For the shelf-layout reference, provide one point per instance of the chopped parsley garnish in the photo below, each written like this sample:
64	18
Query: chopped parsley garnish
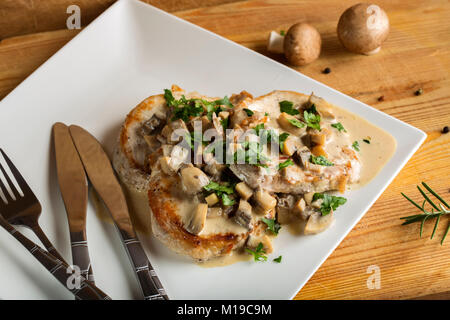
278	260
312	109
194	136
224	123
214	186
329	202
186	108
287	106
338	126
285	164
258	128
248	112
282	138
282	33
258	253
355	145
366	141
296	123
226	200
222	191
312	120
224	102
252	154
272	225
321	160
266	114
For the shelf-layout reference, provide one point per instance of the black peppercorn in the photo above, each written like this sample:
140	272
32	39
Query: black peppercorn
326	70
381	98
418	92
445	129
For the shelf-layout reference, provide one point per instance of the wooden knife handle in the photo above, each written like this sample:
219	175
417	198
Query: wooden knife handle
150	284
59	269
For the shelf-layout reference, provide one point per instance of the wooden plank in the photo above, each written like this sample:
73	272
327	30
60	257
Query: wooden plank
22	17
415	55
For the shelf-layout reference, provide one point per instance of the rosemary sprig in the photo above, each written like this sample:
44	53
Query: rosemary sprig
437	211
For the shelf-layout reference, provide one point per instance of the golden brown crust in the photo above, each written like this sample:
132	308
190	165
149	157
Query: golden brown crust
170	229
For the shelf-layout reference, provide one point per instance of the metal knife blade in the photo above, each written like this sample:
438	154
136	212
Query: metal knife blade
74	190
101	174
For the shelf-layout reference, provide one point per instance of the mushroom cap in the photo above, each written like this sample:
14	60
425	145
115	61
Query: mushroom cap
363	27
302	44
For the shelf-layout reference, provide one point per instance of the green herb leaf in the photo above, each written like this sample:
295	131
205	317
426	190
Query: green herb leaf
282	33
285	164
321	160
338	126
224	123
249	112
272	225
312	120
355	145
287	106
214	186
226	200
258	128
329	202
296	123
258	253
278	260
281	139
224	102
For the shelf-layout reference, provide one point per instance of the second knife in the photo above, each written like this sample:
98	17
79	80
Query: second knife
101	174
74	190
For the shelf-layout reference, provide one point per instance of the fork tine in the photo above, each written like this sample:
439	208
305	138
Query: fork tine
11	184
5	192
20	180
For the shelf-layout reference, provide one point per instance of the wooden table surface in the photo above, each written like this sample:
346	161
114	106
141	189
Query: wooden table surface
416	55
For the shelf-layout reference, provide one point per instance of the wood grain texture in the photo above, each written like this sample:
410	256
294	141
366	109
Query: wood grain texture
416	55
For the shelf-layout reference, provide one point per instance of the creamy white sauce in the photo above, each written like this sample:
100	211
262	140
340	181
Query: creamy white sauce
373	158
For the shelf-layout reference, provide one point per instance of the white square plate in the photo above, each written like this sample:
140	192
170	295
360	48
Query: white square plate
131	51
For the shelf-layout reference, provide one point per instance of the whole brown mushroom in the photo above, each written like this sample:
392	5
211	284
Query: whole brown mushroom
362	28
302	44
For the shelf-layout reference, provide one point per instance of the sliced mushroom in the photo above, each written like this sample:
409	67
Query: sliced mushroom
308	197
179	155
318	223
320	137
169	166
175	131
193	180
305	214
300	206
196	221
152	125
284	120
152	142
254	240
291	145
212	199
244	190
284	208
238	116
244	214
265	201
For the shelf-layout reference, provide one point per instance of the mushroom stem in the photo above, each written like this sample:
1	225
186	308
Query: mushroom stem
275	43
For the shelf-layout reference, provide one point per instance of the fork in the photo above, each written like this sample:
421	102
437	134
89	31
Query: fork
23	210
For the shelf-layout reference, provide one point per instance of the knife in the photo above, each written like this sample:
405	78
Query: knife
101	174
74	190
